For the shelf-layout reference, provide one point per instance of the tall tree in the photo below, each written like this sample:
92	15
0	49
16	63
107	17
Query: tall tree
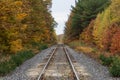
84	12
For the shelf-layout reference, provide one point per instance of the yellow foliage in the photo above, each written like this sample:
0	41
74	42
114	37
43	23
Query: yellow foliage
115	11
18	3
24	27
86	35
13	34
14	31
4	18
37	38
84	49
16	46
103	21
21	16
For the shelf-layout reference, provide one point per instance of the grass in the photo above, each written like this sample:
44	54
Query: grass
9	63
36	47
113	62
115	67
14	61
105	58
86	49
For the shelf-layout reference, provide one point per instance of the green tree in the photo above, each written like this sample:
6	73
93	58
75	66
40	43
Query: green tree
84	12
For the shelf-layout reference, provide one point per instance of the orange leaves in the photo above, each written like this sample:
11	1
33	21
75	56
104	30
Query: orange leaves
115	45
115	42
86	35
111	39
107	37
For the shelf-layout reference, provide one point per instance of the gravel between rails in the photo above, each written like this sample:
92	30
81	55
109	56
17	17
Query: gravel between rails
90	67
30	66
59	68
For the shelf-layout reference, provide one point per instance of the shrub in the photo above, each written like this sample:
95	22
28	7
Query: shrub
111	40
43	46
21	56
115	42
106	60
15	60
39	46
108	36
115	67
6	67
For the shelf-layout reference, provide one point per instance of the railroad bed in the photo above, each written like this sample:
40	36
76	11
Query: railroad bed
59	66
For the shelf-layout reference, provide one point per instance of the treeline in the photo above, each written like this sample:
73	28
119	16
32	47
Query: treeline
93	27
96	22
26	27
25	24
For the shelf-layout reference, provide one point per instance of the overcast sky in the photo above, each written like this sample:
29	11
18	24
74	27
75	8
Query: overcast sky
60	11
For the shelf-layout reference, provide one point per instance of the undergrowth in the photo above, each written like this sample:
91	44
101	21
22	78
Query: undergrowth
15	60
112	62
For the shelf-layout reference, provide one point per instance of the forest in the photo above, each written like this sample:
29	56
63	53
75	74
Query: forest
26	27
93	27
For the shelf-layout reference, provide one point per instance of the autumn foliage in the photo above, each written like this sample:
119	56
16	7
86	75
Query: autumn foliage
115	42
26	27
100	30
86	35
23	22
104	33
106	28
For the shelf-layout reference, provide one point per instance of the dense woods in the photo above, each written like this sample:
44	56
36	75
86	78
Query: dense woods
83	13
23	23
96	23
26	26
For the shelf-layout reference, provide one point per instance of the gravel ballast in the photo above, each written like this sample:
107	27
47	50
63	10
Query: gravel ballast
89	68
95	70
21	72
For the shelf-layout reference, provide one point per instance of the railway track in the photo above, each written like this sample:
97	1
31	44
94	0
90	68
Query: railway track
59	66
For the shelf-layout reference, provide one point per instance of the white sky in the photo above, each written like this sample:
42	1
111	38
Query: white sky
60	11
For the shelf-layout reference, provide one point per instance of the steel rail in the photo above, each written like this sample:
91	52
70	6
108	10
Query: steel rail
43	70
72	66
